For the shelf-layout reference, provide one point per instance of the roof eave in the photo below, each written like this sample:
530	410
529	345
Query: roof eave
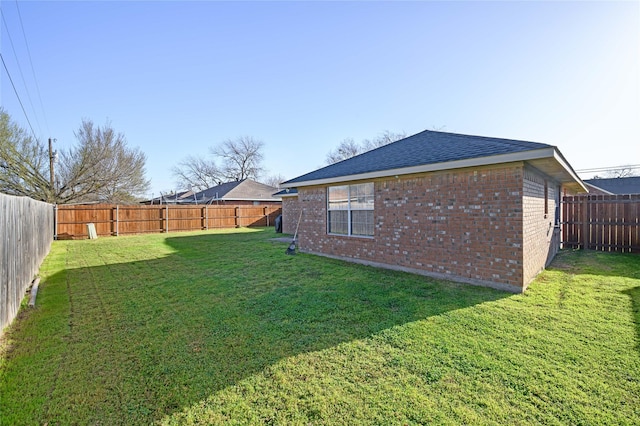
549	152
572	174
596	187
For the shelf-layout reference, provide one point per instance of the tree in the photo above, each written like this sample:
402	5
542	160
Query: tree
100	168
241	158
349	148
197	173
274	180
382	139
23	162
622	172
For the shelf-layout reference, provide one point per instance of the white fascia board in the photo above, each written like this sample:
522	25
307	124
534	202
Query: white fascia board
596	187
560	159
458	164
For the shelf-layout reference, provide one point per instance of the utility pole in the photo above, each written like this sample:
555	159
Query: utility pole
52	158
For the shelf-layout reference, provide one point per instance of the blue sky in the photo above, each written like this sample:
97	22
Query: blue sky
179	77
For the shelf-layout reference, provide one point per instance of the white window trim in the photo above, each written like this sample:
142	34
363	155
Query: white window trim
349	210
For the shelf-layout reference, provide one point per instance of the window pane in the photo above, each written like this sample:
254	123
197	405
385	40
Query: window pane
362	222
338	198
338	222
361	196
350	209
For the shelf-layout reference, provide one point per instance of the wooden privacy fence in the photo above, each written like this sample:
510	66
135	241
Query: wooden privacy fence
71	220
602	222
26	233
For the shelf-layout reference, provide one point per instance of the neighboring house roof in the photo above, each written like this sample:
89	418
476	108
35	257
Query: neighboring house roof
625	185
174	198
242	190
431	151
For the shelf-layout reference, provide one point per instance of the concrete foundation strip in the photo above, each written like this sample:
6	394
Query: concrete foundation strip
34	292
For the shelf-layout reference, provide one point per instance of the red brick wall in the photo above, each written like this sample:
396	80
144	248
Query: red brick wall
466	225
290	214
541	236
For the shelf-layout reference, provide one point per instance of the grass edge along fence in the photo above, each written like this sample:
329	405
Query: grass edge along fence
602	222
26	234
113	220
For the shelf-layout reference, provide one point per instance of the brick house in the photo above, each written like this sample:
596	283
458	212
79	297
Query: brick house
473	209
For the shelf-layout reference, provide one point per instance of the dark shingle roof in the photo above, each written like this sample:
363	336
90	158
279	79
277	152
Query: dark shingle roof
424	148
626	185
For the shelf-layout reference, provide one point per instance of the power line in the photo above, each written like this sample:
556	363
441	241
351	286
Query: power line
606	169
44	115
24	81
18	96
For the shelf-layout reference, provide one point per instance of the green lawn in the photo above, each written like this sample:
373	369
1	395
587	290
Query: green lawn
224	328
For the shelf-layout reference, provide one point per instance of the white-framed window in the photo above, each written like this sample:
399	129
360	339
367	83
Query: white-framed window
350	209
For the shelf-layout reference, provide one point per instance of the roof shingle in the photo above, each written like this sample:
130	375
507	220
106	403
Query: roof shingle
424	148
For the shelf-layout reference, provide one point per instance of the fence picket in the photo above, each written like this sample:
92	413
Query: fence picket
602	222
122	220
26	232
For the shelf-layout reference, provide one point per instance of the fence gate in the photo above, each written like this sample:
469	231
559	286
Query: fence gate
602	222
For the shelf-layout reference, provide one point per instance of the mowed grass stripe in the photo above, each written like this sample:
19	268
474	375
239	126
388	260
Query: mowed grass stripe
222	327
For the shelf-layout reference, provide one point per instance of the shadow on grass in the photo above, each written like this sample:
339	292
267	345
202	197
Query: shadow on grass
150	337
634	294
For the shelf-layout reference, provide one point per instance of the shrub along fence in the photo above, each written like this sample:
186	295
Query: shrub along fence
602	222
26	233
109	219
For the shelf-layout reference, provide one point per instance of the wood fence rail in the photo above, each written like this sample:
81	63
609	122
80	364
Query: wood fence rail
109	219
26	233
602	222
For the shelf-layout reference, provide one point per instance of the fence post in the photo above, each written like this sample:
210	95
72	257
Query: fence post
55	221
116	219
236	212
585	235
166	218
266	213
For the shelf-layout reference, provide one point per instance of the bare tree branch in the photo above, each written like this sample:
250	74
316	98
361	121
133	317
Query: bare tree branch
349	148
241	158
100	168
197	173
622	172
274	180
